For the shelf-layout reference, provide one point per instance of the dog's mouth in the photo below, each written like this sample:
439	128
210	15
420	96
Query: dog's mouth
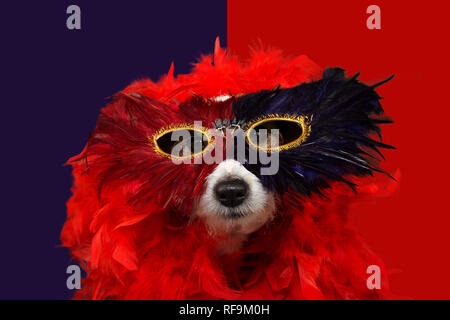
236	215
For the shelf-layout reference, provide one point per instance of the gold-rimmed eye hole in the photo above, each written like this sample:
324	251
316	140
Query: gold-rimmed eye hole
181	142
277	133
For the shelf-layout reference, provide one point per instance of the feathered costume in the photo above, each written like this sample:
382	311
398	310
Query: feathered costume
129	220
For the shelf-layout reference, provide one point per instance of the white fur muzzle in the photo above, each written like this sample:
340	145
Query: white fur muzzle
235	222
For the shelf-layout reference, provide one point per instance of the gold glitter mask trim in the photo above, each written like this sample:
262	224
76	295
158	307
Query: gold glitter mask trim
181	141
293	130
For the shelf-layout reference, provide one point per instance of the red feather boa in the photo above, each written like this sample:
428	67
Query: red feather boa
151	252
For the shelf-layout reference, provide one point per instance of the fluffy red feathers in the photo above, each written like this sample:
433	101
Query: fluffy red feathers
132	234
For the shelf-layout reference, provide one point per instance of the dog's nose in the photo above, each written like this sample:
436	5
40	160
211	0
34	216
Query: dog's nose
231	193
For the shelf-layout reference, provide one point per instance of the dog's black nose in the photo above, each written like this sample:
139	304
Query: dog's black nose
231	193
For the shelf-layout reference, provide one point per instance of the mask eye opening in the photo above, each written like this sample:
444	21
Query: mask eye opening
161	139
293	129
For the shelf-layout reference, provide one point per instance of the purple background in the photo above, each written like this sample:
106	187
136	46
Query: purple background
54	82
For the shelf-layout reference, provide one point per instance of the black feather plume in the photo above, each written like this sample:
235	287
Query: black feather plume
345	113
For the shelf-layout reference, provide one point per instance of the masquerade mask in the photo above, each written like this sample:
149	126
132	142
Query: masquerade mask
270	133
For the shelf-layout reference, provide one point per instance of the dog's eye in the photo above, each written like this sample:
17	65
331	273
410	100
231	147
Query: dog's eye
181	142
277	133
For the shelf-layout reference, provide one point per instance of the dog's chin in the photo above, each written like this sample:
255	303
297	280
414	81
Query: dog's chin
231	226
233	221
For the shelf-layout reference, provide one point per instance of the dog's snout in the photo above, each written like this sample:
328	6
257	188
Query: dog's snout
231	193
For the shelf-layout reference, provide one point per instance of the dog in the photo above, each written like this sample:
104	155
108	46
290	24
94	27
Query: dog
154	218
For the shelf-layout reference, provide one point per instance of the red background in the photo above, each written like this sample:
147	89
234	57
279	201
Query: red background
410	229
